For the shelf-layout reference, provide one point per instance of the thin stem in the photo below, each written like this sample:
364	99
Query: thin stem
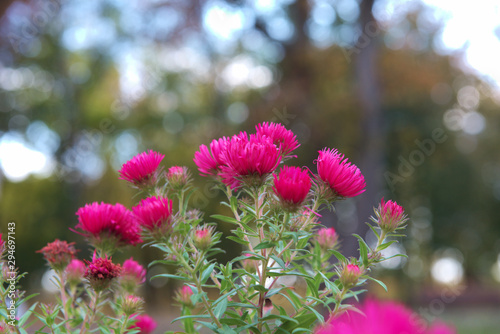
64	300
90	319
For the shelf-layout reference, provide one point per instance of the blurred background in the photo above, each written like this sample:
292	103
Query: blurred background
408	90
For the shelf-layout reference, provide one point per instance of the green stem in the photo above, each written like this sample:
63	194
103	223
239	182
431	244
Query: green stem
188	322
89	320
64	300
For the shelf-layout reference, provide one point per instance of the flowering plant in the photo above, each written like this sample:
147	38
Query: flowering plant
289	268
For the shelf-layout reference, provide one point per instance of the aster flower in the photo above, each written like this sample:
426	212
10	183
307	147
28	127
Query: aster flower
101	272
389	216
344	178
210	161
58	254
132	275
155	215
108	226
378	317
202	237
248	160
327	238
142	170
144	323
281	137
74	272
292	186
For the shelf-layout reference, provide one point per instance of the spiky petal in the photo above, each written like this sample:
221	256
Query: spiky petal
292	186
142	170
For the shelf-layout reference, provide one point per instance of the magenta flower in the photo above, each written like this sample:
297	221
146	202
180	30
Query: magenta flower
142	170
154	214
389	216
210	161
100	272
327	238
58	254
292	186
281	137
249	160
144	323
132	275
344	178
378	317
75	271
108	224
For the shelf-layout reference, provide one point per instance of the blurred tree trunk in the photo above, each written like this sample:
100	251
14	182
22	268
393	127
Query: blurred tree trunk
372	134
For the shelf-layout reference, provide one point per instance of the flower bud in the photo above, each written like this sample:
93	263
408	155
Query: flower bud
183	296
131	304
327	238
74	272
350	274
132	275
389	216
178	177
58	254
203	238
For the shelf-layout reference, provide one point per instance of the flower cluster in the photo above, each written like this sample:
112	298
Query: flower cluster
58	254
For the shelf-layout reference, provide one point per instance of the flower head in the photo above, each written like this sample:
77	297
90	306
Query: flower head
344	178
210	161
327	238
183	296
132	275
389	215
108	226
248	160
75	271
154	214
377	317
131	304
292	186
281	137
178	177
58	254
142	170
144	323
202	237
101	272
350	274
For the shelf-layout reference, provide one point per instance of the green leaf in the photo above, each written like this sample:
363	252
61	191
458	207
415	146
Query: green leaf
225	219
220	308
339	256
206	273
264	244
238	240
170	276
379	282
193	316
363	250
385	245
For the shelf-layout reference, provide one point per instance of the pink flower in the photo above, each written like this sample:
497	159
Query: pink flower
248	160
281	137
292	186
210	161
58	254
75	271
344	178
379	318
389	215
132	275
154	214
327	238
101	271
141	170
106	223
144	323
